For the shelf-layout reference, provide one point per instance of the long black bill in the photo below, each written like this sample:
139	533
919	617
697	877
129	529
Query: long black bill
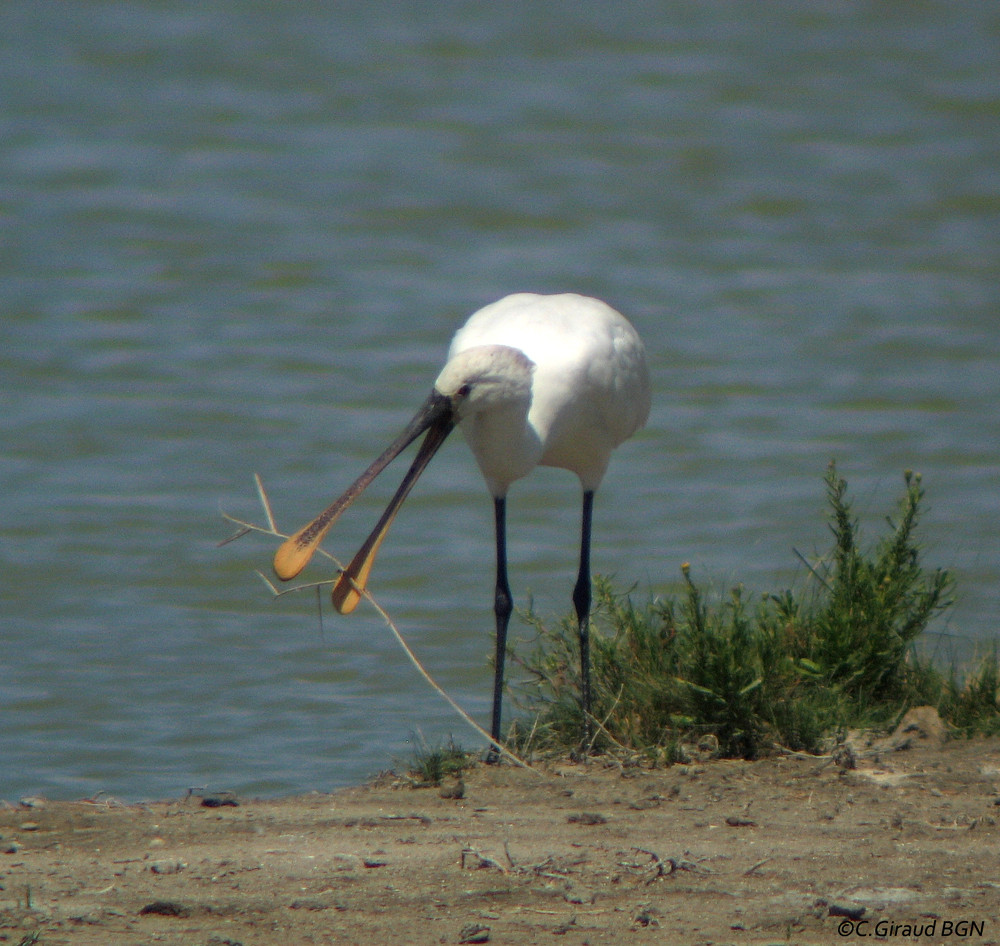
435	416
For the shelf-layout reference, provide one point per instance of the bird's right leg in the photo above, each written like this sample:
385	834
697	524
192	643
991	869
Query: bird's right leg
581	603
503	605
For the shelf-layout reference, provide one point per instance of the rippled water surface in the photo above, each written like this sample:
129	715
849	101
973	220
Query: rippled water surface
237	237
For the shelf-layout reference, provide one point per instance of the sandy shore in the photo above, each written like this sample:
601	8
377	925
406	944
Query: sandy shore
905	844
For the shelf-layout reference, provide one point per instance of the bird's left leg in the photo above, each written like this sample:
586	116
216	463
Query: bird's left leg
503	605
581	603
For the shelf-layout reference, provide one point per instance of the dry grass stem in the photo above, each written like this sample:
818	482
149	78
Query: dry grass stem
272	530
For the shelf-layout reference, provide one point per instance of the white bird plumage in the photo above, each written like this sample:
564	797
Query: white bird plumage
589	388
532	380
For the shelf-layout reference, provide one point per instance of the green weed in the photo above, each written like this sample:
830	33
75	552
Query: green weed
751	672
430	766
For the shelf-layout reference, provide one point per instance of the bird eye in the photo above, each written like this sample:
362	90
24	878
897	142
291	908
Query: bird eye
464	390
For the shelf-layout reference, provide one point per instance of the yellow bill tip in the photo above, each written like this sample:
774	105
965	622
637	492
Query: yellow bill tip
345	595
351	584
291	558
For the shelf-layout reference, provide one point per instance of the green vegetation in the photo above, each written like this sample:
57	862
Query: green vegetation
431	765
747	673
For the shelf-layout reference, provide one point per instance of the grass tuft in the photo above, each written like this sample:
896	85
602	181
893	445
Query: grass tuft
431	765
748	673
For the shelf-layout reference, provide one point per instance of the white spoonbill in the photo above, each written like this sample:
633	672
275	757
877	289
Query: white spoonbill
553	380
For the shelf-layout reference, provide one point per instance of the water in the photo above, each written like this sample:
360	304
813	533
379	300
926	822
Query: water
236	237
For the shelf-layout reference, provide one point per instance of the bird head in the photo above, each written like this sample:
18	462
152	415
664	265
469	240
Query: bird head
484	378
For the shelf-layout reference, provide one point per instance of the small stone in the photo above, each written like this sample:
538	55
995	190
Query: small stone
457	790
474	933
647	918
219	801
164	908
922	724
587	817
167	867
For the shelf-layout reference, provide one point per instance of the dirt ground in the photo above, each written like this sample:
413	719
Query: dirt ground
897	841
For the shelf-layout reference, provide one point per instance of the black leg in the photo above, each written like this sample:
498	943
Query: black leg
581	602
503	605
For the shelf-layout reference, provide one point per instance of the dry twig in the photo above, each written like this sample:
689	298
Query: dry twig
272	530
